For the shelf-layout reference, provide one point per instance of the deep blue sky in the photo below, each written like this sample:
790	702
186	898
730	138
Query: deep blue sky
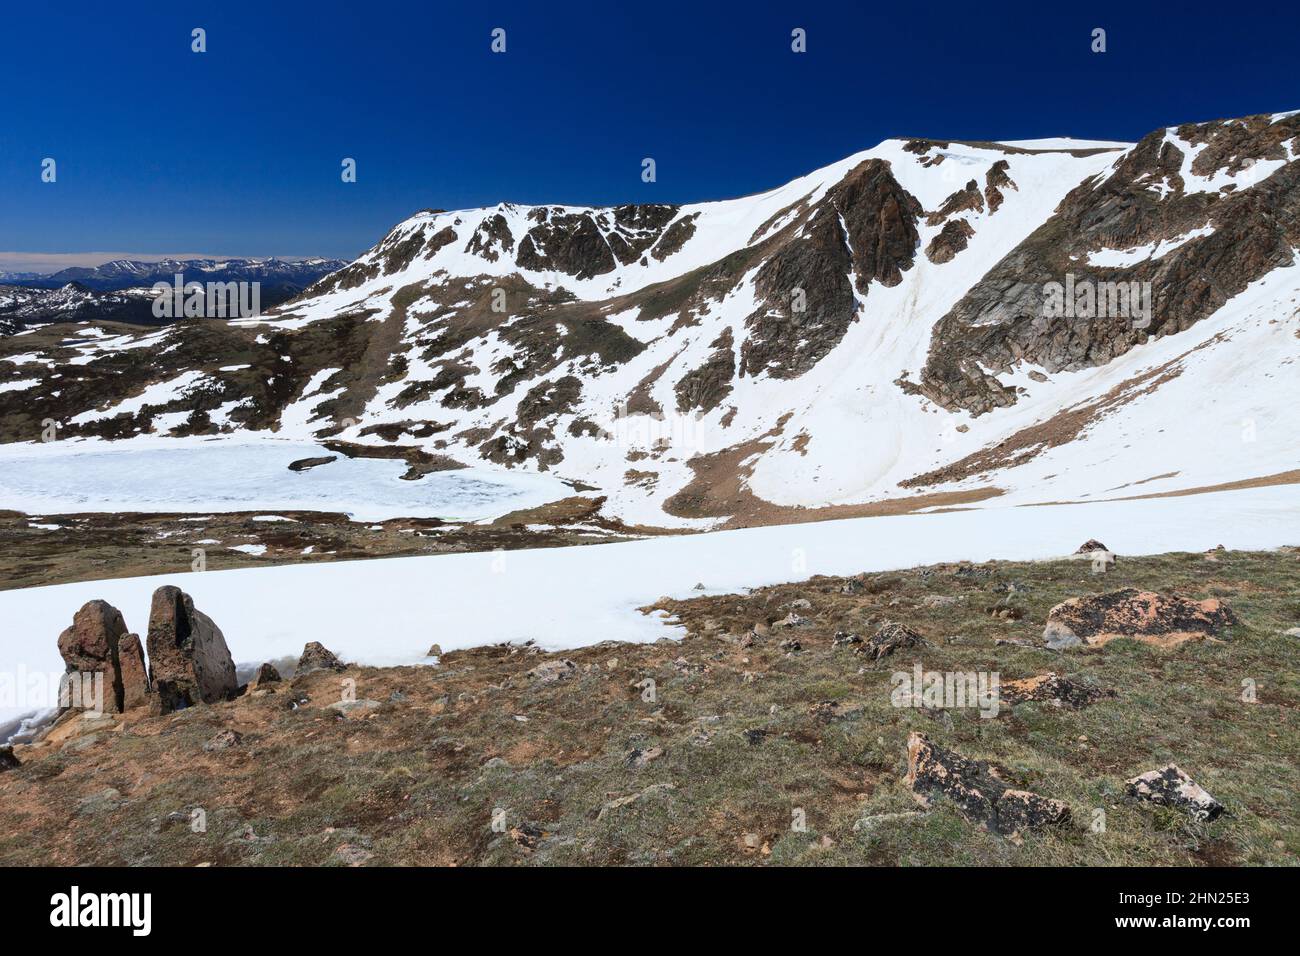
237	150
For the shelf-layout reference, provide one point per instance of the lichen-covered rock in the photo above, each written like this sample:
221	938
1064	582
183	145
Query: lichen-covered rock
189	662
1051	689
977	790
1163	621
891	638
1170	787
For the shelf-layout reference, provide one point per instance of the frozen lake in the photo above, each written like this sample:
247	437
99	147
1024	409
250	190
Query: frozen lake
203	476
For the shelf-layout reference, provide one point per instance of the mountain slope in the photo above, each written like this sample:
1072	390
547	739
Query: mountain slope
873	335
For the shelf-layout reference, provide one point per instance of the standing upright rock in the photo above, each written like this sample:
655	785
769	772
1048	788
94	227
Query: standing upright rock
188	658
133	672
105	665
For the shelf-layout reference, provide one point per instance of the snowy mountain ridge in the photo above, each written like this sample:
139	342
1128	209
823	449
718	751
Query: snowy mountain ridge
868	338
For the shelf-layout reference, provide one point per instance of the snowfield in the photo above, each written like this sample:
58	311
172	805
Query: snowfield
388	612
205	475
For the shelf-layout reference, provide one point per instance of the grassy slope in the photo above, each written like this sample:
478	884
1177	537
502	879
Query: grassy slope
417	782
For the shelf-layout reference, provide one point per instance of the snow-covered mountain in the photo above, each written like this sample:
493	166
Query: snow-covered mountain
923	324
294	275
21	306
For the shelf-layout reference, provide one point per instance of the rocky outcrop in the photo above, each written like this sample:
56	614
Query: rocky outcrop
317	657
949	241
979	793
1171	787
1092	544
865	227
189	661
1221	240
1156	619
101	653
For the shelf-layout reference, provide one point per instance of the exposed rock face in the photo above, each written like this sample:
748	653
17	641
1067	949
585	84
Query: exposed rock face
1146	199
952	239
98	643
977	790
1051	689
1171	787
317	657
892	637
188	658
865	226
1142	615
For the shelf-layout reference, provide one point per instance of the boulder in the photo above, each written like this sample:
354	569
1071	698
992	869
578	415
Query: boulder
1163	621
317	657
1170	787
892	637
266	674
979	793
98	648
1092	544
189	662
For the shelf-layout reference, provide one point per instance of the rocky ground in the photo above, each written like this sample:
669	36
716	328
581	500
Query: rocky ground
36	550
1153	723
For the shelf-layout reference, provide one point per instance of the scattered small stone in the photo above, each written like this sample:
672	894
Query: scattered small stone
638	759
352	855
792	620
1171	787
866	824
844	639
224	740
620	802
939	600
349	707
548	672
527	836
790	645
892	637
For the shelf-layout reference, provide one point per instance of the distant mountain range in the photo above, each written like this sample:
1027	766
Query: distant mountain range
128	273
121	290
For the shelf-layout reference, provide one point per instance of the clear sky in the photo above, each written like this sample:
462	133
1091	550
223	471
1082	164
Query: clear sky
237	151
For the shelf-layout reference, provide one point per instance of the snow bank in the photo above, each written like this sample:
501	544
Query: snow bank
389	611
